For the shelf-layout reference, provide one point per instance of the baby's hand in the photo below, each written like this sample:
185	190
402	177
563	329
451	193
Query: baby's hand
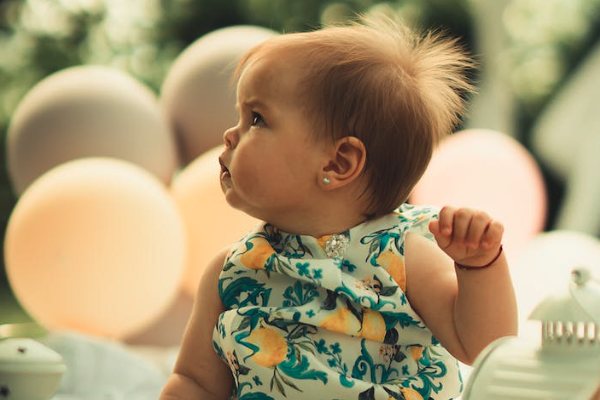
470	237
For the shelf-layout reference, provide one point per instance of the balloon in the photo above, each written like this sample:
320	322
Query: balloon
168	329
490	171
95	245
543	268
88	111
197	96
211	224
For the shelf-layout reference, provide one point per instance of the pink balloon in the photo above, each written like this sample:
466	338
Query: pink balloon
97	246
210	223
490	171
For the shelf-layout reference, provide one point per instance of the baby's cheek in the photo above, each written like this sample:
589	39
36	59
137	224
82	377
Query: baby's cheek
249	182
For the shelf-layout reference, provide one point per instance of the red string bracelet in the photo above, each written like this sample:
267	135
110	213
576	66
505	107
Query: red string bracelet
465	267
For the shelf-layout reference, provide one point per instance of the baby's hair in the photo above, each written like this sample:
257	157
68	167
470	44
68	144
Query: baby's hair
397	90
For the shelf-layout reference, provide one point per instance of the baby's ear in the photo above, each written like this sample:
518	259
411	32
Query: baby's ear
347	161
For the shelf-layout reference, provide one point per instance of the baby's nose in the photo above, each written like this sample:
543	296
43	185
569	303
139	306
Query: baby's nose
230	137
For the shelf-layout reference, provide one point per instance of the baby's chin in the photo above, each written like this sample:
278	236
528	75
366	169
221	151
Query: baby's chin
234	201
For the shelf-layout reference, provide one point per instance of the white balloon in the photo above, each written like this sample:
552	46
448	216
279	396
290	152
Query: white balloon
198	97
88	111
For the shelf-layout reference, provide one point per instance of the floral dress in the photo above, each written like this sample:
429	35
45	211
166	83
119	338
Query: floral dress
328	319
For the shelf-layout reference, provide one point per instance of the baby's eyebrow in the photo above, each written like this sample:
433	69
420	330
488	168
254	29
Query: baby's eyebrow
253	103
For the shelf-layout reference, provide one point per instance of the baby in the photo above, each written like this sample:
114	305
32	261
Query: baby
344	292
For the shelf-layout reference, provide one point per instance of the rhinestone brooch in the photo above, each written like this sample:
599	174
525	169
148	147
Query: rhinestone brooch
336	245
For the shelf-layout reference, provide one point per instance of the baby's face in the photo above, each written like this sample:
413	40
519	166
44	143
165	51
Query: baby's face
271	163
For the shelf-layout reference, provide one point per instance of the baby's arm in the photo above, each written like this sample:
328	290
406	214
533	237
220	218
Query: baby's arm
465	309
200	374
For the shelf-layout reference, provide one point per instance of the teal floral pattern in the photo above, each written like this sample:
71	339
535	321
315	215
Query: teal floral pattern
302	325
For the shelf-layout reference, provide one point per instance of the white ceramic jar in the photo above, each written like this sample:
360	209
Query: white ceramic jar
28	370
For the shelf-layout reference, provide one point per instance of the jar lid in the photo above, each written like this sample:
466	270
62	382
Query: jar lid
24	351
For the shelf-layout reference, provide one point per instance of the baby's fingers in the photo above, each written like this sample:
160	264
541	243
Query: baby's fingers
446	220
492	237
442	228
477	228
442	240
462	225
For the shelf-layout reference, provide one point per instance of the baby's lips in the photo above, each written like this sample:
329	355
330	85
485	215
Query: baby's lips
223	167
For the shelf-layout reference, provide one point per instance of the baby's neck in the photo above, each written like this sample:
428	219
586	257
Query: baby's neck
319	226
328	213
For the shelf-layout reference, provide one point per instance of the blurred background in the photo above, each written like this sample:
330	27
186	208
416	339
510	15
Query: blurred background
537	61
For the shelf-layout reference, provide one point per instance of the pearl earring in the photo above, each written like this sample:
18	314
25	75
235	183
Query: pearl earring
326	181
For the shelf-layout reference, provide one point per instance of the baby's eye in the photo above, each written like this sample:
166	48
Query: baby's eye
257	119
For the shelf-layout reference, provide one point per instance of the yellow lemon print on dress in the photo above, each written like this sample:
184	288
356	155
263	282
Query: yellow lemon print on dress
373	326
411	394
272	347
394	265
257	256
343	321
416	352
322	241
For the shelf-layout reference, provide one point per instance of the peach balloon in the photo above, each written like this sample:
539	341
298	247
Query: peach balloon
491	171
88	111
168	329
210	223
95	245
197	96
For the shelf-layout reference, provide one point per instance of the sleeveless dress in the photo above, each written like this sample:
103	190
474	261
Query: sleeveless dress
328	319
